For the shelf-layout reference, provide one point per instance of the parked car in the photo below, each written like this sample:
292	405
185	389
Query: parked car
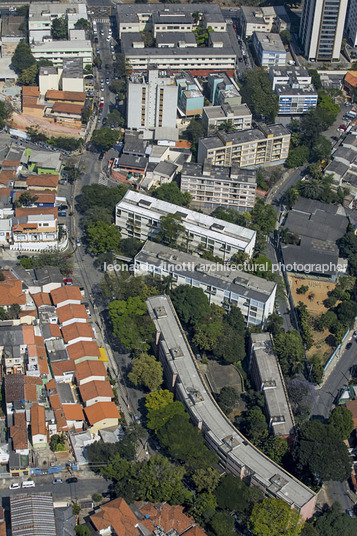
68	281
15	485
342	128
72	480
101	156
28	484
78	241
57	481
348	346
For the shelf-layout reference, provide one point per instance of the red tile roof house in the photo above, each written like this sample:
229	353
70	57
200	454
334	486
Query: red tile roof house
68	314
84	351
96	391
88	371
74	416
116	517
66	295
102	415
77	332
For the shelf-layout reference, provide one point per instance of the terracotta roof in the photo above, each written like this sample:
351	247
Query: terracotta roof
61	420
10	163
18	432
76	96
89	368
51	181
51	386
55	331
65	293
55	402
38	420
41	298
5	192
95	389
351	78
31	91
28	333
67	108
184	144
75	330
167	516
71	311
118	515
44	196
11	292
28	312
83	349
100	411
14	387
6	176
42	356
31	102
30	388
60	367
35	211
73	412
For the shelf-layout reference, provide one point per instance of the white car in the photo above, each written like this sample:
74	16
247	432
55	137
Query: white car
15	485
108	38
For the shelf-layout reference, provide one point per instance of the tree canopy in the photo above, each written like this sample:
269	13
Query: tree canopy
59	28
22	58
274	517
191	304
171	193
256	91
342	421
335	522
131	323
146	371
102	238
104	138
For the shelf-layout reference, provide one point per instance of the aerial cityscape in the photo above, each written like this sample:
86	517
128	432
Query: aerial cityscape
178	268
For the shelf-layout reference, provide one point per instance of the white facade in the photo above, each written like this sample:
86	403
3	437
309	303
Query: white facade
321	28
57	51
152	101
269	49
240	117
139	215
42	14
36	233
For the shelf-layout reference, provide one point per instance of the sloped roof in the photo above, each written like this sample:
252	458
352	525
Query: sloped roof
89	368
95	389
71	311
65	293
11	292
38	420
83	349
73	412
118	515
75	330
100	411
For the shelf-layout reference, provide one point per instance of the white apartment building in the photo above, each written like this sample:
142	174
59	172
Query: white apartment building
239	117
152	101
269	49
139	215
253	295
219	186
57	51
294	89
263	19
267	146
34	232
42	14
321	29
351	23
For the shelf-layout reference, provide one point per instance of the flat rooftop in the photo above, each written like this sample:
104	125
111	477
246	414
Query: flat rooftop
192	220
218	430
241	283
222	112
270	42
208	172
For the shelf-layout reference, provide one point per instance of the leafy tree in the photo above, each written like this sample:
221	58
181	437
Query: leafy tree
290	351
157	418
131	323
285	37
194	132
102	237
171	193
82	24
315	78
104	138
22	58
26	198
222	524
104	197
59	28
28	76
309	530
207	333
76	509
263	216
115	118
232	494
322	149
97	497
276	448
5	112
130	246
203	507
274	517
301	396
274	324
191	304
255	426
158	399
230	345
235	319
341	420
67	144
82	530
298	156
146	371
171	229
256	91
335	522
206	479
227	399
185	443
320	454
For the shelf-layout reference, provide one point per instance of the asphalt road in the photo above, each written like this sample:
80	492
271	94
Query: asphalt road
79	490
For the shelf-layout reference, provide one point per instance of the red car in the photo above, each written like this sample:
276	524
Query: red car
68	281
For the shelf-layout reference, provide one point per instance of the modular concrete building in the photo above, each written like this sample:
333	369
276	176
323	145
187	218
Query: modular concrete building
139	216
236	454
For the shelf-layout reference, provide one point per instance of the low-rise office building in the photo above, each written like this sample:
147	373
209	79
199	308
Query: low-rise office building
219	186
190	100
236	454
237	117
223	90
269	49
224	286
269	381
266	146
294	88
139	216
57	51
263	19
42	14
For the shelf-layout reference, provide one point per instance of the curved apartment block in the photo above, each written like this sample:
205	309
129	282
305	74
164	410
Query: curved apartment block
236	454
